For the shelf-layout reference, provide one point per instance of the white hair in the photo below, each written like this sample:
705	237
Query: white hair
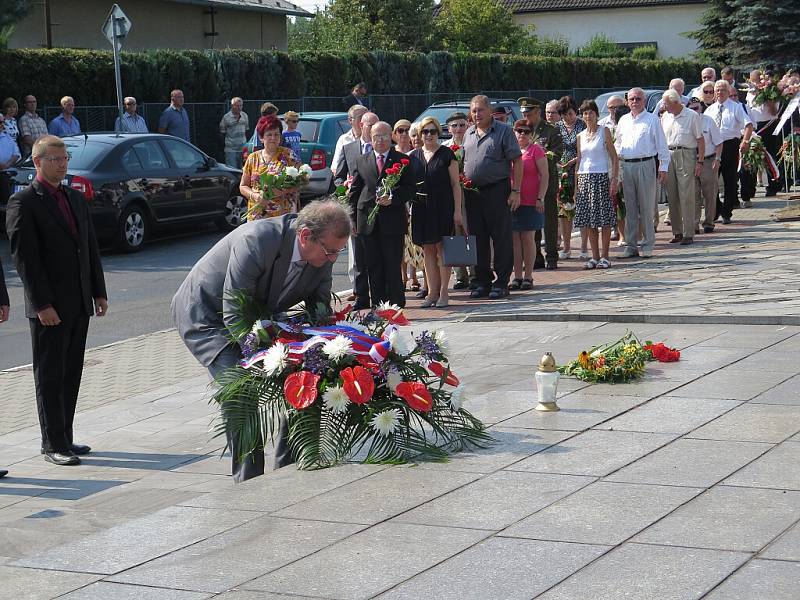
671	96
722	83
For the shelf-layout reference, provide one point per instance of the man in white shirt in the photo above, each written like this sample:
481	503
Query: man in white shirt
679	86
707	74
612	104
354	115
707	184
639	140
732	120
684	133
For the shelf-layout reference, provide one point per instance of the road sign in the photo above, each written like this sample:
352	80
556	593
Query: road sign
116	27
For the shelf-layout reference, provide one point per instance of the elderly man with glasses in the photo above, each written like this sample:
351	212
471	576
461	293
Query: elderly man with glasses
639	141
131	121
31	126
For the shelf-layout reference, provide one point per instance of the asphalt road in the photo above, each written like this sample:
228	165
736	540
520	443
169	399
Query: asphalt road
140	287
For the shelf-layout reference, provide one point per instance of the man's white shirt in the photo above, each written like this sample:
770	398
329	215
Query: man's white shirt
642	137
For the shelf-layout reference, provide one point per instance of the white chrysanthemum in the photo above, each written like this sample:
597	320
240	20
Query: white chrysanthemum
335	399
386	422
292	172
400	343
337	348
276	359
305	169
457	397
393	379
388	306
440	337
352	324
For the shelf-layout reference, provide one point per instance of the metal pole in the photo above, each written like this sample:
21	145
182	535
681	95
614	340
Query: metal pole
117	75
48	25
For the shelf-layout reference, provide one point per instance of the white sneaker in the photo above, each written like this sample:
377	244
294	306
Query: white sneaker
621	243
564	254
583	255
647	253
603	263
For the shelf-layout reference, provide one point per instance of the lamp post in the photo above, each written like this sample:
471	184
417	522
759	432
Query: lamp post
547	377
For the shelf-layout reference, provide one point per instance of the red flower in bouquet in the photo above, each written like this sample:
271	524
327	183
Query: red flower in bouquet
390	180
358	384
368	364
663	353
416	394
404	161
439	369
300	389
395	317
466	183
341	315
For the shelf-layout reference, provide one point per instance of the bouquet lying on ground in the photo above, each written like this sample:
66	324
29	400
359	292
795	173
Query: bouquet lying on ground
391	178
348	382
288	178
618	362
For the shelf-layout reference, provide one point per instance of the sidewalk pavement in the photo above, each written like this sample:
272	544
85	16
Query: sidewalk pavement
683	485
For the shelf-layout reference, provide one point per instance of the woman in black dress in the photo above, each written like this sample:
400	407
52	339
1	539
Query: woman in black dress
437	209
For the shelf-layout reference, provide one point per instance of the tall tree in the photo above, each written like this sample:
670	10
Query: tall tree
11	13
766	32
713	36
481	26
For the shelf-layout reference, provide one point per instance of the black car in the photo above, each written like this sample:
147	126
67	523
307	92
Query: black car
136	183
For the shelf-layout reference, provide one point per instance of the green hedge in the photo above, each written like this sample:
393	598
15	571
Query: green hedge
212	76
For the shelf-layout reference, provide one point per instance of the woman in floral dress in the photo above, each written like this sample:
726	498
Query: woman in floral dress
274	159
569	126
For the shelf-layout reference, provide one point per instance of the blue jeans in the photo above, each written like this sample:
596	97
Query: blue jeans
233	159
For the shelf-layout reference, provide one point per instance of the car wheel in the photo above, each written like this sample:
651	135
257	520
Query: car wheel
133	229
235	213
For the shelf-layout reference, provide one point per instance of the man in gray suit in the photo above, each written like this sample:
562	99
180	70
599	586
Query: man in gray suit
280	262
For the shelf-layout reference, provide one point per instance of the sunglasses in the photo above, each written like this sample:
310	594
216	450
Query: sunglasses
401	130
456	124
429	132
708	91
523	131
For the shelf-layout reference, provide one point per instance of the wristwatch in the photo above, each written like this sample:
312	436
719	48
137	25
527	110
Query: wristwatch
514	191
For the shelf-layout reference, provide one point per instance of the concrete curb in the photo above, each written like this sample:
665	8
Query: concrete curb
789	320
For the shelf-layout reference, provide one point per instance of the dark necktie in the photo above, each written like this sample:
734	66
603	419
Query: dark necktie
292	277
718	119
367	148
63	206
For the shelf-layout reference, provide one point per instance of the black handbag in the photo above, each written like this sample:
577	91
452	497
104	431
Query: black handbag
459	250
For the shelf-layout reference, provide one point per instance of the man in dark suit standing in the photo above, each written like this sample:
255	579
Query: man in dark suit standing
383	239
357	96
57	257
4	311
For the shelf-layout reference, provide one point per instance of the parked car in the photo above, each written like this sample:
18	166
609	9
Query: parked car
442	110
319	132
136	183
651	96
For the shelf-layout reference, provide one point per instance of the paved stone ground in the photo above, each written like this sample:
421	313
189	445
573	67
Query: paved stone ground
683	485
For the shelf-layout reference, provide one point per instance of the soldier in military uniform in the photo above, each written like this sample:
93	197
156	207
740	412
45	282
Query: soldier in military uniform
549	138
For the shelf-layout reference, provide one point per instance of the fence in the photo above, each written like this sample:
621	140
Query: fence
204	117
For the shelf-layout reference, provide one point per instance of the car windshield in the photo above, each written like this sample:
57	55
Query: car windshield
308	130
83	155
441	113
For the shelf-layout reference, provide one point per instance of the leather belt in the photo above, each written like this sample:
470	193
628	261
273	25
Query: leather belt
635	160
681	148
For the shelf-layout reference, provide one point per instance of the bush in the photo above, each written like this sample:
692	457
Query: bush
601	46
644	53
215	76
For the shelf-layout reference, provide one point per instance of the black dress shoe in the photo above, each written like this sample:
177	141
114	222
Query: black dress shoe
708	229
498	293
687	241
676	239
551	266
479	292
3	473
461	285
80	449
62	459
726	220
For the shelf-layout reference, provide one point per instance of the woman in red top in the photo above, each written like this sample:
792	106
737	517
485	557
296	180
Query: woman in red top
530	215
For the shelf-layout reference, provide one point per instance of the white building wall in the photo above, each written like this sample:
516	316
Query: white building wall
663	25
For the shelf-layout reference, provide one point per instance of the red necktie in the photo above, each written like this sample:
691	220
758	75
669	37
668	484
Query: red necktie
380	163
63	205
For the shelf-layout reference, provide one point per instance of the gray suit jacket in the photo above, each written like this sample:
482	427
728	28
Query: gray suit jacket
255	258
351	151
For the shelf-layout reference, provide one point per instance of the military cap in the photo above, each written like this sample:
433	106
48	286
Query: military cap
456	116
526	103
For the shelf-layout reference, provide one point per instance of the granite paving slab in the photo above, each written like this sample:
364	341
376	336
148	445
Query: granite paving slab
18	583
602	513
246	595
593	452
509	447
233	557
771	360
103	590
744	519
133	543
670	414
731	383
283	488
378	497
578	412
753	422
498	569
642	572
691	462
369	562
779	468
512	496
787	392
786	547
761	579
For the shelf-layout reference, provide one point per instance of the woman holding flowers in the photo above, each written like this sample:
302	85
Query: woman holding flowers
263	200
437	209
596	182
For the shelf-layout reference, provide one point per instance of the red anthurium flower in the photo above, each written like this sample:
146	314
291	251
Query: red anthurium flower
416	394
368	363
395	317
439	369
341	315
358	384
300	389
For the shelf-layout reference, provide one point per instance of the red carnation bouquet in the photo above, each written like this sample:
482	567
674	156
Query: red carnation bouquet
662	353
391	178
347	382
